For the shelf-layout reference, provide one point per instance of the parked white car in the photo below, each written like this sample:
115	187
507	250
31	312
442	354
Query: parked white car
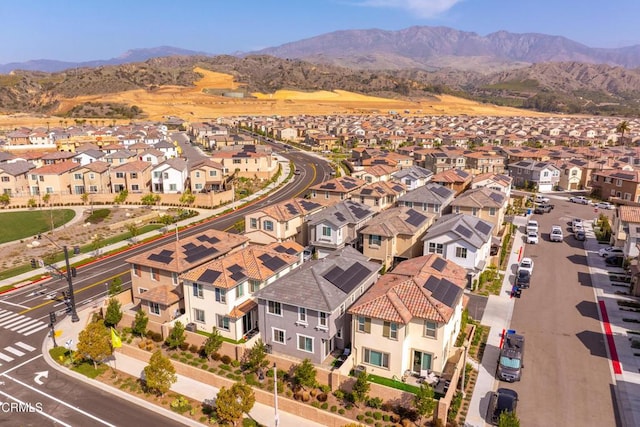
541	199
576	222
605	205
556	234
532	237
579	199
526	264
532	226
610	251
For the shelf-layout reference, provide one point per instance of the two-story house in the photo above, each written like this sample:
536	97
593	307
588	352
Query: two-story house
625	229
616	184
379	195
543	174
413	177
247	162
207	175
463	239
337	226
304	315
375	173
14	178
135	177
395	235
53	178
408	321
456	179
170	176
281	222
431	198
484	203
96	177
494	181
336	189
155	274
221	293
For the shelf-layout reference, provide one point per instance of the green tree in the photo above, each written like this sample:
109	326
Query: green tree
94	343
508	419
133	229
46	198
97	243
159	374
360	389
85	197
256	357
304	374
113	314
176	336
121	197
31	202
622	127
5	199
423	401
116	286
150	199
232	403
167	220
187	197
213	343
140	323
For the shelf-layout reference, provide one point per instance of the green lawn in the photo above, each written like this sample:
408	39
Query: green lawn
22	224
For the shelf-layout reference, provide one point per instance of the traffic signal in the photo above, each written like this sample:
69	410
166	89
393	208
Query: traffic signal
33	263
52	318
73	272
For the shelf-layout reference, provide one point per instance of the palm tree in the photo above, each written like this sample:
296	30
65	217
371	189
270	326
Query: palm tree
622	127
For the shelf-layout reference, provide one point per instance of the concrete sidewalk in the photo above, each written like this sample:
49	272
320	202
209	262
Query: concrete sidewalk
24	279
186	386
497	316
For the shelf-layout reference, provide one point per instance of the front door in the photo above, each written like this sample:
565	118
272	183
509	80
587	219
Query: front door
326	347
247	323
421	361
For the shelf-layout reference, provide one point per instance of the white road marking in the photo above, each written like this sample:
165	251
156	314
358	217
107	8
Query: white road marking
36	330
10	319
51	417
13	304
25	346
6	313
14	351
21	364
19	324
62	402
5	357
28	327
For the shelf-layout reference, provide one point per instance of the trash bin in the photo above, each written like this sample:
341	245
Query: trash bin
528	211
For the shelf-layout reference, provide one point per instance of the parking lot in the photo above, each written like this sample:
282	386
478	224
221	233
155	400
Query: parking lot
567	374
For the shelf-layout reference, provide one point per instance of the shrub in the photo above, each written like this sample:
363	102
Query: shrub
385	417
215	356
193	348
360	417
369	420
235	363
149	334
339	394
225	359
334	408
322	397
341	411
325	405
156	337
377	415
184	346
374	402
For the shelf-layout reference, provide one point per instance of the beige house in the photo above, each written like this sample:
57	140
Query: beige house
53	178
408	321
336	190
220	293
281	222
395	235
375	173
14	178
380	195
135	177
485	203
494	181
570	175
155	273
207	175
247	162
97	178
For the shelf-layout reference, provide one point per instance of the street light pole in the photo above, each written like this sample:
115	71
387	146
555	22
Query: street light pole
72	298
275	394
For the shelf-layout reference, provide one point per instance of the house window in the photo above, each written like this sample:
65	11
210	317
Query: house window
326	194
119	174
237	161
302	315
154	308
364	324
474	211
197	290
461	252
253	222
436	208
135	187
222	322
173	187
254	285
305	343
136	270
376	358
278	335
93	189
436	248
339	333
134	175
155	274
221	295
142	290
390	330
174	278
213	173
77	176
323	320
374	240
275	308
165	175
156	174
197	174
5	179
456	209
313	193
376	201
618	183
326	231
267	225
430	329
492	211
198	315
198	186
240	290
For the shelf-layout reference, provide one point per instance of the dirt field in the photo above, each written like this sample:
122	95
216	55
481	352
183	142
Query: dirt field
194	104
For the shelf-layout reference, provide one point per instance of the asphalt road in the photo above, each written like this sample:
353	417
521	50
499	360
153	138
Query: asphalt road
24	316
567	375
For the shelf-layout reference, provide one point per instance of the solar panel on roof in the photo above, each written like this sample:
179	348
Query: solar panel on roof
439	264
160	258
348	280
415	218
462	173
483	227
280	249
234	268
349	185
333	274
291	209
328	186
443	290
360	213
308	205
441	191
188	246
497	197
274	263
198	252
209	276
366	191
211	239
339	216
464	230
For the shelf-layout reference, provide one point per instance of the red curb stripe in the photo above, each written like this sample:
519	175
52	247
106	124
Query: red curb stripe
502	337
617	368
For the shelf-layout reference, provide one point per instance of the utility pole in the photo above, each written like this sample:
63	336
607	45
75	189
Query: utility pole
275	394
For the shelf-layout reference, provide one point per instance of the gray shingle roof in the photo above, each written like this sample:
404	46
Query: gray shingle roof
431	193
17	168
415	172
307	287
471	229
345	212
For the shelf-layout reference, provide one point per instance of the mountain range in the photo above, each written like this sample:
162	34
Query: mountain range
537	71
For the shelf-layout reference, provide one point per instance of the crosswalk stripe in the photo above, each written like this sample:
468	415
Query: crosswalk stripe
14	351
7	315
5	357
19	323
29	327
44	325
25	346
10	319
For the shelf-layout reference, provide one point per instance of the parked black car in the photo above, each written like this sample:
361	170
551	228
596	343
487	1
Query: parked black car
503	400
579	235
614	260
523	279
543	208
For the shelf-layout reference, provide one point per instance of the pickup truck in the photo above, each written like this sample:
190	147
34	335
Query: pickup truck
510	363
543	208
541	199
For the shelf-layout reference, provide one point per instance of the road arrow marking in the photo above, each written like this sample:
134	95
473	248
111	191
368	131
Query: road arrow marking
39	375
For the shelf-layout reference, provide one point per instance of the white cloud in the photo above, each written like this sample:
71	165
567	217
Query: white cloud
422	8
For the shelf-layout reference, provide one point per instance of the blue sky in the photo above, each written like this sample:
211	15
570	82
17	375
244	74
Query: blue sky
82	30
